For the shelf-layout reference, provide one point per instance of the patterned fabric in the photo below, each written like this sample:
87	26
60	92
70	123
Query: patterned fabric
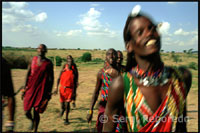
139	115
121	123
106	80
105	85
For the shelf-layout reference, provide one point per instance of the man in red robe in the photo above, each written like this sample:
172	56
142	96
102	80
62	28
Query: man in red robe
67	83
38	86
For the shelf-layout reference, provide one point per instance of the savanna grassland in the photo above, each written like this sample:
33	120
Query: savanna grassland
50	120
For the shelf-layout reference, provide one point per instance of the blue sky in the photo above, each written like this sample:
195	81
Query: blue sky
94	25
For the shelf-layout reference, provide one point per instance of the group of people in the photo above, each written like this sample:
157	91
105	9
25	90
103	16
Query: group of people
149	96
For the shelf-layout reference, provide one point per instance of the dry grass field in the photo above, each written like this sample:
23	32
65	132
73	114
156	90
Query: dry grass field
50	120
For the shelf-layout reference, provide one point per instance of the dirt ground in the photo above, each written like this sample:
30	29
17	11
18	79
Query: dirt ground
50	120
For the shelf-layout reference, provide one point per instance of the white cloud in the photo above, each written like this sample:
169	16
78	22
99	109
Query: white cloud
164	29
24	28
194	32
7	19
193	41
92	25
18	5
181	32
73	32
94	4
69	33
90	20
16	13
41	17
171	2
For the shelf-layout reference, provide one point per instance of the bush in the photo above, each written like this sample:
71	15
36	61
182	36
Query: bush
78	59
97	60
64	59
58	61
86	57
17	61
176	58
193	65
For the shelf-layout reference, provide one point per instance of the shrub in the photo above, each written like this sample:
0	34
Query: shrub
193	65
97	60
176	58
58	61
78	59
17	61
64	59
86	57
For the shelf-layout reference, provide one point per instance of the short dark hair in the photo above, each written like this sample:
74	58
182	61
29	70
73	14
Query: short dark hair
44	46
131	62
115	52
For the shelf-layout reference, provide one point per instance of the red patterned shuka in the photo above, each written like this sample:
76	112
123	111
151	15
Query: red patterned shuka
139	116
106	80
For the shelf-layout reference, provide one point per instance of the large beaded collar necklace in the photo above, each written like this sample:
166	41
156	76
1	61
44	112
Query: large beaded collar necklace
158	78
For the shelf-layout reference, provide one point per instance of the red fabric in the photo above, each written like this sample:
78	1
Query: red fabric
66	94
66	85
99	125
163	126
38	88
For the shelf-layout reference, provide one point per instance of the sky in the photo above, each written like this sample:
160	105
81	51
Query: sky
95	25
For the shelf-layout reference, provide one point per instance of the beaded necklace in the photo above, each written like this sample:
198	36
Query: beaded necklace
159	77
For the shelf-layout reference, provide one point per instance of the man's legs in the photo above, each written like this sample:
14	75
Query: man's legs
67	112
74	98
29	116
62	109
36	119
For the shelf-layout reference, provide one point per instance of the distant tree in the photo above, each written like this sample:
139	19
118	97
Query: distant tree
161	50
190	51
173	52
86	57
78	48
58	61
184	51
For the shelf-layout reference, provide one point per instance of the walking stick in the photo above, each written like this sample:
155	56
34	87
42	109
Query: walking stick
20	88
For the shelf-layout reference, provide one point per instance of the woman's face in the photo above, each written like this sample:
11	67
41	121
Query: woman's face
145	38
69	61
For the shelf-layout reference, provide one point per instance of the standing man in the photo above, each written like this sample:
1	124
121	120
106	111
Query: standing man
38	86
120	58
104	78
67	83
7	92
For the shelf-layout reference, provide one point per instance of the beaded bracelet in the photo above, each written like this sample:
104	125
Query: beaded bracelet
90	111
